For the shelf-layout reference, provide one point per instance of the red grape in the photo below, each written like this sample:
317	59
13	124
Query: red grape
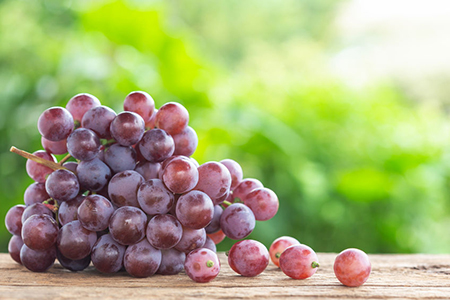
202	265
248	258
352	267
299	261
278	246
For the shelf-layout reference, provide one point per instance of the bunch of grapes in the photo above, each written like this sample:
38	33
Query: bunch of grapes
128	194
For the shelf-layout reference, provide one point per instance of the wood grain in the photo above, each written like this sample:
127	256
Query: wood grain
393	276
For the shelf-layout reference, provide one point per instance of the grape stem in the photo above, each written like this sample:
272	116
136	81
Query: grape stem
227	203
50	164
64	159
314	264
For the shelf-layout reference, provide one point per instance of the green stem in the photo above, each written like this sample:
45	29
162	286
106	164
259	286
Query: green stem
314	264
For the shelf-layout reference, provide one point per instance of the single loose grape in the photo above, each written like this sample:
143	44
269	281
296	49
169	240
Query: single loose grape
202	265
352	267
248	258
278	246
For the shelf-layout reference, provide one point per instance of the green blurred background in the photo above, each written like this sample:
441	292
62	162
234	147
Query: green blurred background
340	109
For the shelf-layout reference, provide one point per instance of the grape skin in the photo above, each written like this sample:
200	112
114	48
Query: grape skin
148	170
214	226
13	219
127	225
164	231
120	158
68	210
214	179
127	128
36	209
248	258
73	265
123	188
172	117
98	119
278	246
352	267
235	171
156	145
55	123
141	103
209	244
299	261
94	212
35	193
74	241
191	239
14	246
154	198
62	185
79	104
237	221
195	210
263	202
107	254
185	142
59	147
180	175
142	260
172	262
217	237
202	265
245	187
37	260
83	144
37	171
93	175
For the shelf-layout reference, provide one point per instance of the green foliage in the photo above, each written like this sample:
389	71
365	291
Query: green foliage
352	168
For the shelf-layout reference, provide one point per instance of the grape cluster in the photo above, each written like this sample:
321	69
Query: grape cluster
129	195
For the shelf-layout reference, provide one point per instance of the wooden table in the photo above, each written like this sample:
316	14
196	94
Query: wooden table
393	276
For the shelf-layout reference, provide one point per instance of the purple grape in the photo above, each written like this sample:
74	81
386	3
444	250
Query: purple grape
214	179
191	239
83	144
185	142
35	193
98	119
209	244
123	188
127	128
164	231
235	171
14	246
154	198
142	260
37	171
140	103
39	232
180	175
352	267
237	221
59	147
263	202
79	104
107	254
62	185
73	265
172	117
214	226
37	260
150	124
156	145
13	219
245	187
74	241
172	262
94	213
127	225
55	124
248	258
36	209
195	210
148	170
71	166
120	158
68	210
93	175
202	265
